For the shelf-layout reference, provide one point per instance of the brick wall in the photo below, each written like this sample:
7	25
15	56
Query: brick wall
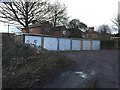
36	30
33	30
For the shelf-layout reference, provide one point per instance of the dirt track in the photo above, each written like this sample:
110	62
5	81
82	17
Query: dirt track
104	63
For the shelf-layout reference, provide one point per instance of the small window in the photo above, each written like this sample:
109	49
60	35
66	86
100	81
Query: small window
64	32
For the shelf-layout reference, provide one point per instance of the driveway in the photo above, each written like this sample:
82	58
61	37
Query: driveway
103	62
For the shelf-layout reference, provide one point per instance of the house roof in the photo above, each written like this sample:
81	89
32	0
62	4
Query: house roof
75	29
40	24
35	25
58	28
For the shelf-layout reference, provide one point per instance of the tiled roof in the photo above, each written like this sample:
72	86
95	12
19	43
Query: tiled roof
35	25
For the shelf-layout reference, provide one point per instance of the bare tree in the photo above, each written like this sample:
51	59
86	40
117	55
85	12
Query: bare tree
23	12
58	14
104	29
116	22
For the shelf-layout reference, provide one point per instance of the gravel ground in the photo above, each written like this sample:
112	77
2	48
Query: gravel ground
103	62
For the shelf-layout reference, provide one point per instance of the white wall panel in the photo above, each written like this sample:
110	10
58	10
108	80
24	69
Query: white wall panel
76	44
50	43
64	44
86	45
95	45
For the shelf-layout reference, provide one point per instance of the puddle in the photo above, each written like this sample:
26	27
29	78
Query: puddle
81	74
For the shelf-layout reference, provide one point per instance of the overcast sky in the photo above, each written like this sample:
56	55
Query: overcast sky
91	12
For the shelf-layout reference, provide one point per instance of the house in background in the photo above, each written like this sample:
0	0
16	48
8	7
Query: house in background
59	31
38	28
46	28
92	34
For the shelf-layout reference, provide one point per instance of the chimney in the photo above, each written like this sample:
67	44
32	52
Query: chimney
91	28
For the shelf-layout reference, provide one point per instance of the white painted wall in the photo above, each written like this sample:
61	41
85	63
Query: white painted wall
64	44
76	44
50	43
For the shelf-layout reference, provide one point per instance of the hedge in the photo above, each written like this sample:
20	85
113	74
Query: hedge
107	44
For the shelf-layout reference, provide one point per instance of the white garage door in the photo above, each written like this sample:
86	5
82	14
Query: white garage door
64	44
86	45
95	45
33	40
50	43
76	44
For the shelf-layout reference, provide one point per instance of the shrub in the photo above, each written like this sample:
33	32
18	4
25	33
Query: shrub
24	68
17	51
107	44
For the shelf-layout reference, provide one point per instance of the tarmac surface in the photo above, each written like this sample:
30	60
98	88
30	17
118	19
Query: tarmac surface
104	63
